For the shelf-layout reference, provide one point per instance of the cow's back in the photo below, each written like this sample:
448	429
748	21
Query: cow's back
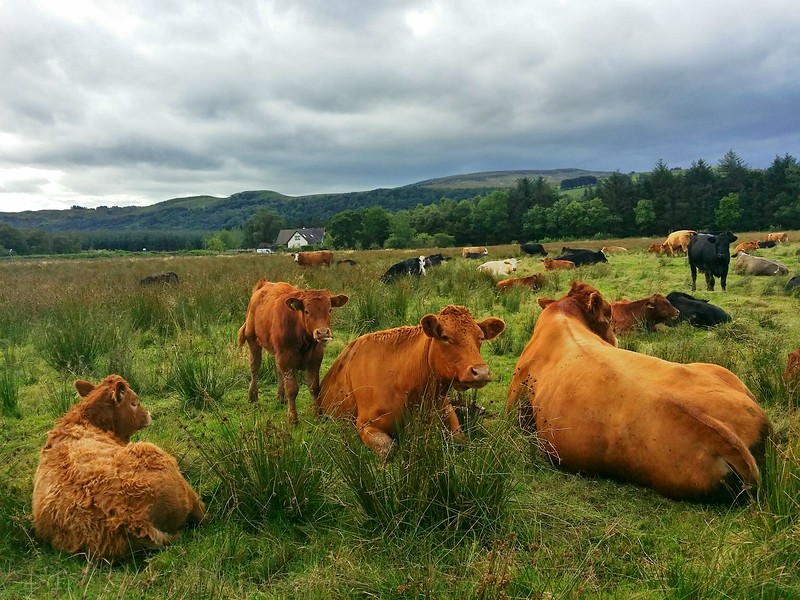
268	319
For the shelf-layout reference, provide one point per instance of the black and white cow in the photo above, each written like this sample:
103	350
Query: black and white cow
410	266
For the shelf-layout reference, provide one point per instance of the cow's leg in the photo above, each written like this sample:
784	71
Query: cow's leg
723	280
290	389
709	282
255	366
376	440
450	418
693	269
312	381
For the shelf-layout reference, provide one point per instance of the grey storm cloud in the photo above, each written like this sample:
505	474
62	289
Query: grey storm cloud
138	102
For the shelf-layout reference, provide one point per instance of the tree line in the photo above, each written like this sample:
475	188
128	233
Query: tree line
729	195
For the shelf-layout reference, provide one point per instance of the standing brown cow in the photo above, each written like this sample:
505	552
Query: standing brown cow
293	325
379	375
317	258
96	493
678	241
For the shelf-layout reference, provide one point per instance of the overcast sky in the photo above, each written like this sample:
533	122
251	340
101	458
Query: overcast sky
120	102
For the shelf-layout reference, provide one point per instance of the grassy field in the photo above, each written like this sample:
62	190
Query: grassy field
307	512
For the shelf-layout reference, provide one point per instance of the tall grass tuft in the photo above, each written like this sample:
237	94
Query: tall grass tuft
197	377
58	399
264	472
9	392
75	340
779	493
431	483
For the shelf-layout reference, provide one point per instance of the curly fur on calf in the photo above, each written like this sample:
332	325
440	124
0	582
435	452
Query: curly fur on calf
96	493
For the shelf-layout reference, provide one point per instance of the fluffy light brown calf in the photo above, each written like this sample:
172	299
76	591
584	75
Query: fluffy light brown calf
96	493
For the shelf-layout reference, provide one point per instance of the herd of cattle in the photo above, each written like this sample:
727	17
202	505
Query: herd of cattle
688	431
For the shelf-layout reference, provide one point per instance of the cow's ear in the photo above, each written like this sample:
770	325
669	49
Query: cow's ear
430	326
545	302
492	327
340	300
119	391
596	303
294	303
84	388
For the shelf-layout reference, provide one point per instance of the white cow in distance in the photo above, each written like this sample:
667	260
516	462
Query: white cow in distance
499	268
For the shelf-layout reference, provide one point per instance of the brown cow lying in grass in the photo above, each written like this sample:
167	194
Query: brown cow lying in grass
534	282
647	313
379	375
96	493
293	325
688	431
552	264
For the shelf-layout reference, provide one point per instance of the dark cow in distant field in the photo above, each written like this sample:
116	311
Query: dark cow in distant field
766	244
647	312
317	258
551	264
751	245
581	256
293	325
95	492
409	266
473	255
780	237
531	248
481	250
709	253
534	282
755	265
696	311
434	260
347	261
793	283
169	278
380	375
688	431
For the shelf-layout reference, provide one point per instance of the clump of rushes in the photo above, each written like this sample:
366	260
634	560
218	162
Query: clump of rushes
264	472
431	482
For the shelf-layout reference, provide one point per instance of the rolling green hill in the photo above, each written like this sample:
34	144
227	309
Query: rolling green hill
212	214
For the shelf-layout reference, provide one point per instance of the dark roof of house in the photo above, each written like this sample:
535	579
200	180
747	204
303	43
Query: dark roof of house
313	235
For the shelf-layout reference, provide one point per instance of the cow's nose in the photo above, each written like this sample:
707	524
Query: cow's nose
323	335
480	373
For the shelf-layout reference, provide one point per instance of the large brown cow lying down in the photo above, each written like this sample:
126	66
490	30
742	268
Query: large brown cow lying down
379	375
96	493
293	325
690	431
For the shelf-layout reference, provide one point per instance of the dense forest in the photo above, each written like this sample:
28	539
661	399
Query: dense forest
729	195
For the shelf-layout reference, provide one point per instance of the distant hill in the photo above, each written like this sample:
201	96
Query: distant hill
210	213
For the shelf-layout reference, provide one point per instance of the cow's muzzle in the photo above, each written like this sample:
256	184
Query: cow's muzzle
322	335
474	377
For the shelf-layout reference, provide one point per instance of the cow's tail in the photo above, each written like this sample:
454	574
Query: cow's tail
241	337
734	451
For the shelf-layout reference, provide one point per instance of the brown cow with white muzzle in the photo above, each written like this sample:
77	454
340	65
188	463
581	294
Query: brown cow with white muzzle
688	431
379	375
293	325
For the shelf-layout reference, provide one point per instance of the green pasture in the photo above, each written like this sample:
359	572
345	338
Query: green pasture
307	512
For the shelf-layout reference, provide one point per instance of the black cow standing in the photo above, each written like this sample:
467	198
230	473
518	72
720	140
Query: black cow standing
582	256
696	311
531	248
710	254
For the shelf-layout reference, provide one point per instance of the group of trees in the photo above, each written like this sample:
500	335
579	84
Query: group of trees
728	196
